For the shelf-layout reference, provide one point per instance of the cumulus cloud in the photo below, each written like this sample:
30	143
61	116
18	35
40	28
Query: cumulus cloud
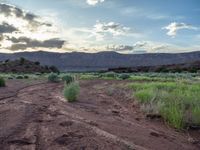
101	29
119	48
150	46
174	27
159	47
94	2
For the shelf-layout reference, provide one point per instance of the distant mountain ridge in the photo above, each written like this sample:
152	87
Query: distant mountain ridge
78	61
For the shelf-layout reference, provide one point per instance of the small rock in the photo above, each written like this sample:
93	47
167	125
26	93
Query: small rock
115	112
153	116
193	127
154	133
93	123
66	123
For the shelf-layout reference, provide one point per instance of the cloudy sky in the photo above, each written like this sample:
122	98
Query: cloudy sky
124	26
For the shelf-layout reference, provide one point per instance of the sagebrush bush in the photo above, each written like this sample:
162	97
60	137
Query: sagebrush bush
110	74
53	77
68	79
19	77
124	76
26	77
71	91
2	82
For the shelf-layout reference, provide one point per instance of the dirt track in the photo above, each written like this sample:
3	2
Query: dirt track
38	118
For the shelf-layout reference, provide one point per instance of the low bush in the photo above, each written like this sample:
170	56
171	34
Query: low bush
19	77
110	75
2	82
124	76
53	77
26	77
71	91
68	79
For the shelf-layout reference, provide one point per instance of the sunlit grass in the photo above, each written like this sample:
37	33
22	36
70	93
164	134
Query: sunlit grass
178	102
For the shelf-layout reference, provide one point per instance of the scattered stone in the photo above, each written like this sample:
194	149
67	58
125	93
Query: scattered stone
153	116
194	127
93	123
116	112
68	138
154	133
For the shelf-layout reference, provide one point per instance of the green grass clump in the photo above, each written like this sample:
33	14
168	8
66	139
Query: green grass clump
177	102
2	82
53	77
145	95
68	79
71	91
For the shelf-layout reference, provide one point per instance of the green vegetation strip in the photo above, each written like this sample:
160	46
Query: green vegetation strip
177	102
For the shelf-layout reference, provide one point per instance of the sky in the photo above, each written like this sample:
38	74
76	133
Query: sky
124	26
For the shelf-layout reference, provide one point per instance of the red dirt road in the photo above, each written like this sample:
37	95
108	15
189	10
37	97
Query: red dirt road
36	117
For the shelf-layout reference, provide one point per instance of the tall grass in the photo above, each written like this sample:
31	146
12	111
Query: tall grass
177	102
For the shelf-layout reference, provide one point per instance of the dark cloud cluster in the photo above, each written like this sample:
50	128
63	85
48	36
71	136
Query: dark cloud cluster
7	28
9	10
23	43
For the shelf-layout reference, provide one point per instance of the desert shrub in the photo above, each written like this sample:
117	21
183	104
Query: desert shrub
26	77
124	76
110	74
68	79
19	77
53	77
38	74
2	82
71	91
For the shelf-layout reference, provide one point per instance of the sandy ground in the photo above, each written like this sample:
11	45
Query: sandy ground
105	117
